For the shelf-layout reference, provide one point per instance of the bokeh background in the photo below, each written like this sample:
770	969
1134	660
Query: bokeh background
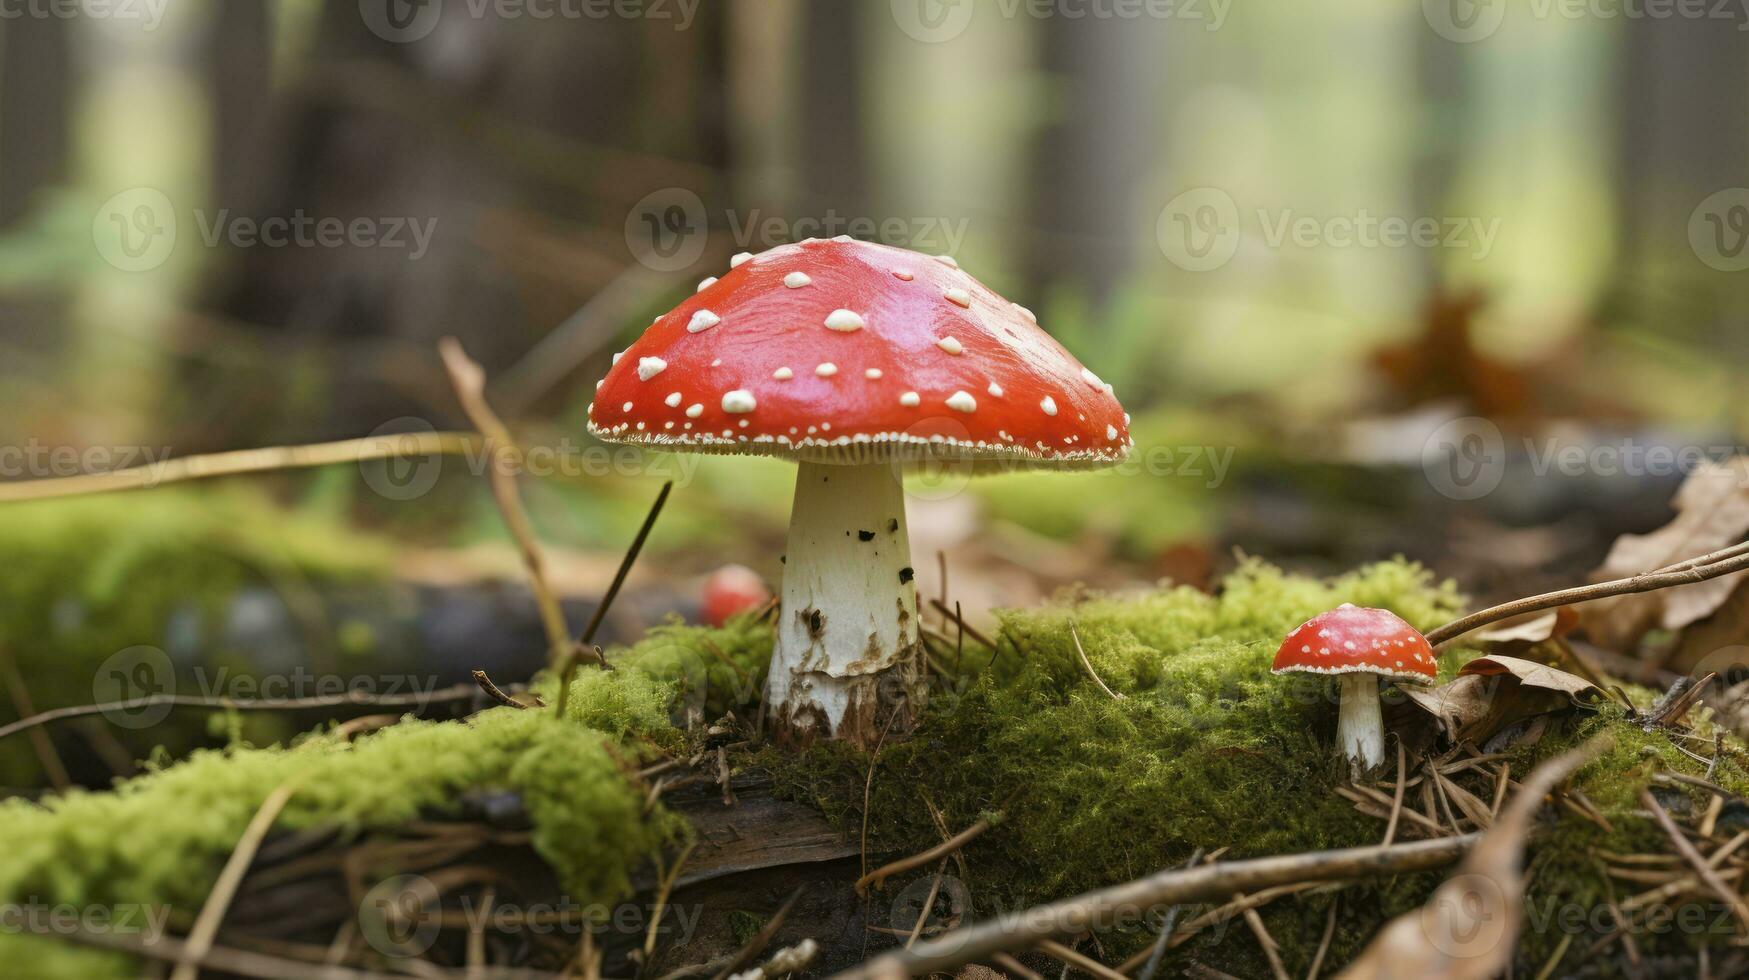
1373	278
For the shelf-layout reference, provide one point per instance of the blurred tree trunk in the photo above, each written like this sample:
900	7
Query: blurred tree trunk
833	53
1091	158
1445	129
521	143
35	95
1684	83
237	63
764	73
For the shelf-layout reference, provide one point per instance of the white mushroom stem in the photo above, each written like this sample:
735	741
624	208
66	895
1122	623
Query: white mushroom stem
1360	726
848	651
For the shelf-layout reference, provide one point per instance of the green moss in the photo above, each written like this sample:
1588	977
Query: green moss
160	839
87	577
1206	749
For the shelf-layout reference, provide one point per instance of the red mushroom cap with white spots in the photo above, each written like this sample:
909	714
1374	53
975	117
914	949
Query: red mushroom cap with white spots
1351	640
844	351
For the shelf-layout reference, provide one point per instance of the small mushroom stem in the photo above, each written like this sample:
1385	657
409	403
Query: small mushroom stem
1360	726
848	652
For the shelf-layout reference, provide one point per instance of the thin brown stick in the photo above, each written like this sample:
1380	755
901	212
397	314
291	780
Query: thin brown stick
240	962
868	787
1324	943
1548	969
662	893
459	692
476	951
1736	560
218	901
52	765
243	461
1079	961
587	640
1265	940
1397	795
1019	930
940	850
495	693
761	939
469	382
928	904
960	621
1702	869
1150	959
1628	945
1089	665
1014	967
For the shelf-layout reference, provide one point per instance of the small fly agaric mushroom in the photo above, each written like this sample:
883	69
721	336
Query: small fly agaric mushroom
732	589
1361	645
854	360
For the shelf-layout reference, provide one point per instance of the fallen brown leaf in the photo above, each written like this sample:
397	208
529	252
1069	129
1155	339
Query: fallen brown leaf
1531	629
1468	930
1712	513
1494	692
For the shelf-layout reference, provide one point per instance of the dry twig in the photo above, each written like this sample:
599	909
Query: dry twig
1089	665
941	850
469	381
243	461
218	901
1021	930
1715	565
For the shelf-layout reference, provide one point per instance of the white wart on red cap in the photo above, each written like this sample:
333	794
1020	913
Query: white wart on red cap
848	352
1356	640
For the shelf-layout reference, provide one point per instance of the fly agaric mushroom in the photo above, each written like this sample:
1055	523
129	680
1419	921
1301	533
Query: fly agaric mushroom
855	360
732	589
1361	645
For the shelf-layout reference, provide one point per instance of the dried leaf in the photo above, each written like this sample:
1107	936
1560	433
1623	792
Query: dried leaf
1531	629
1468	930
1492	693
1530	674
1712	513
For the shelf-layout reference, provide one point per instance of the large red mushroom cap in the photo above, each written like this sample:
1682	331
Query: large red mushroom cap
844	351
1354	640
